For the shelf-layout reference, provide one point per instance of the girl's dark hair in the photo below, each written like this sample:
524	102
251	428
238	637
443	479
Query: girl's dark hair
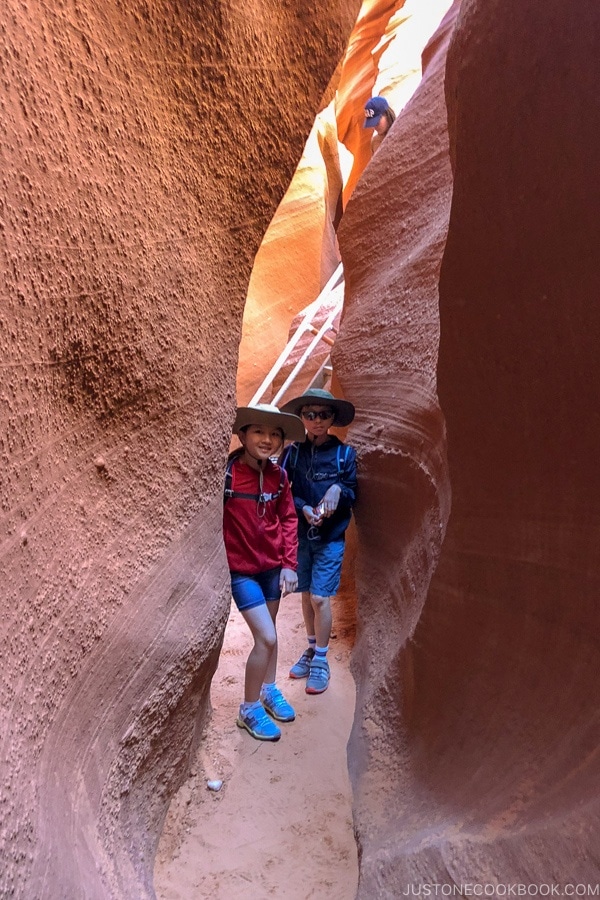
235	453
390	116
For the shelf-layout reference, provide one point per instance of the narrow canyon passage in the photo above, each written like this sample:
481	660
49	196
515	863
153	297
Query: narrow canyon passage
281	825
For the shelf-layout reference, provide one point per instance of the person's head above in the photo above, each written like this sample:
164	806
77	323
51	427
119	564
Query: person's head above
319	411
263	428
379	115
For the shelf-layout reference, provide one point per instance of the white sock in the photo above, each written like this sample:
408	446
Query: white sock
321	651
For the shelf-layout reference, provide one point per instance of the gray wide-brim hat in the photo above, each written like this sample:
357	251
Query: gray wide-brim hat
266	414
344	410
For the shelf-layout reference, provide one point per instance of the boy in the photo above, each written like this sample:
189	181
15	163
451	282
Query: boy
322	471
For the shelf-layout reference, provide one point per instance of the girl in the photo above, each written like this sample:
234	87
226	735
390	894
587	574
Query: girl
260	533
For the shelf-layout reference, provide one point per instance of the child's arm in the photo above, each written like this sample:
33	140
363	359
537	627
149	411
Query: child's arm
342	494
288	520
288	581
348	480
302	508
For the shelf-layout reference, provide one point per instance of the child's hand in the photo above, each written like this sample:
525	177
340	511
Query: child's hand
288	581
311	517
330	501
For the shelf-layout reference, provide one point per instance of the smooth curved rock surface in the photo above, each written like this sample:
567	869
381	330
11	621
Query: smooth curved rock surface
475	748
508	698
392	239
138	179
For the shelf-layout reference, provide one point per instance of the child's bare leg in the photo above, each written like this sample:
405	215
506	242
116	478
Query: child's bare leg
272	699
271	673
322	619
261	624
308	613
319	673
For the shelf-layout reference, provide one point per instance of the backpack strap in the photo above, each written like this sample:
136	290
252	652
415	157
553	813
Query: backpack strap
229	492
342	465
289	459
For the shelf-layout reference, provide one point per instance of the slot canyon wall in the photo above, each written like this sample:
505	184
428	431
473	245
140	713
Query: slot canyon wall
392	239
145	147
474	753
300	251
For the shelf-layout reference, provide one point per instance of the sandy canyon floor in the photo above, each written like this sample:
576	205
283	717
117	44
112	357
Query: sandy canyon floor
281	824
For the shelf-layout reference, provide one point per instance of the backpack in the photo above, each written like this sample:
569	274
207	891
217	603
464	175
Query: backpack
228	491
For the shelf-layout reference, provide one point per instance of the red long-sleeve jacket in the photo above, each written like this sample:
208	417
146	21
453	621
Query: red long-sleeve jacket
260	536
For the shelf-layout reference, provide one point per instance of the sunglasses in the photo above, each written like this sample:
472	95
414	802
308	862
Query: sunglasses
311	416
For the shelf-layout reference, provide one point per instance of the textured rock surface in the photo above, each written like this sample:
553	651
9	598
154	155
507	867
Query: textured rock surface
475	747
138	177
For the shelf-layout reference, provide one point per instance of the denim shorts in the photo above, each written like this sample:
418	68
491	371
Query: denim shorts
254	590
320	566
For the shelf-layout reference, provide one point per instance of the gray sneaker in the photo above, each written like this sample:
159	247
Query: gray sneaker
318	678
302	667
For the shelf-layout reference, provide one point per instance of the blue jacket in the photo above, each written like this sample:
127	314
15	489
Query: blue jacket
311	471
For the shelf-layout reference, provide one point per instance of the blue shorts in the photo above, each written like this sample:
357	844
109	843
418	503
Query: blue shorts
320	566
254	590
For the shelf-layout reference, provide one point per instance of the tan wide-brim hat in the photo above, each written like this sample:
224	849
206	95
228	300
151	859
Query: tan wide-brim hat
344	410
265	414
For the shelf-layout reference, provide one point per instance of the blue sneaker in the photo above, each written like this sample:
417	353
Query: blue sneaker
302	667
276	705
318	677
259	725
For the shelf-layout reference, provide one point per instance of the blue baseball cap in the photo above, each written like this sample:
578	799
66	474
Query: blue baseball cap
374	109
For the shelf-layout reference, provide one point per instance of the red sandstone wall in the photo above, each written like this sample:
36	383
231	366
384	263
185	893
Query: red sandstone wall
145	148
474	752
508	688
392	239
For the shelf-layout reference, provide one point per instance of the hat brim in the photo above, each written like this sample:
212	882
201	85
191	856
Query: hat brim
291	425
344	410
373	122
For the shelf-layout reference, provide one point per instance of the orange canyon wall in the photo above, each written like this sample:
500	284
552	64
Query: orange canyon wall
474	753
145	147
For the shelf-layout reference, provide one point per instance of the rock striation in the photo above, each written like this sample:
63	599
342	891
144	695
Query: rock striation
475	745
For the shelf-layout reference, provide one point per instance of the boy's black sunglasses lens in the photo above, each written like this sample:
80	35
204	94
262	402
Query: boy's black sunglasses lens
311	416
